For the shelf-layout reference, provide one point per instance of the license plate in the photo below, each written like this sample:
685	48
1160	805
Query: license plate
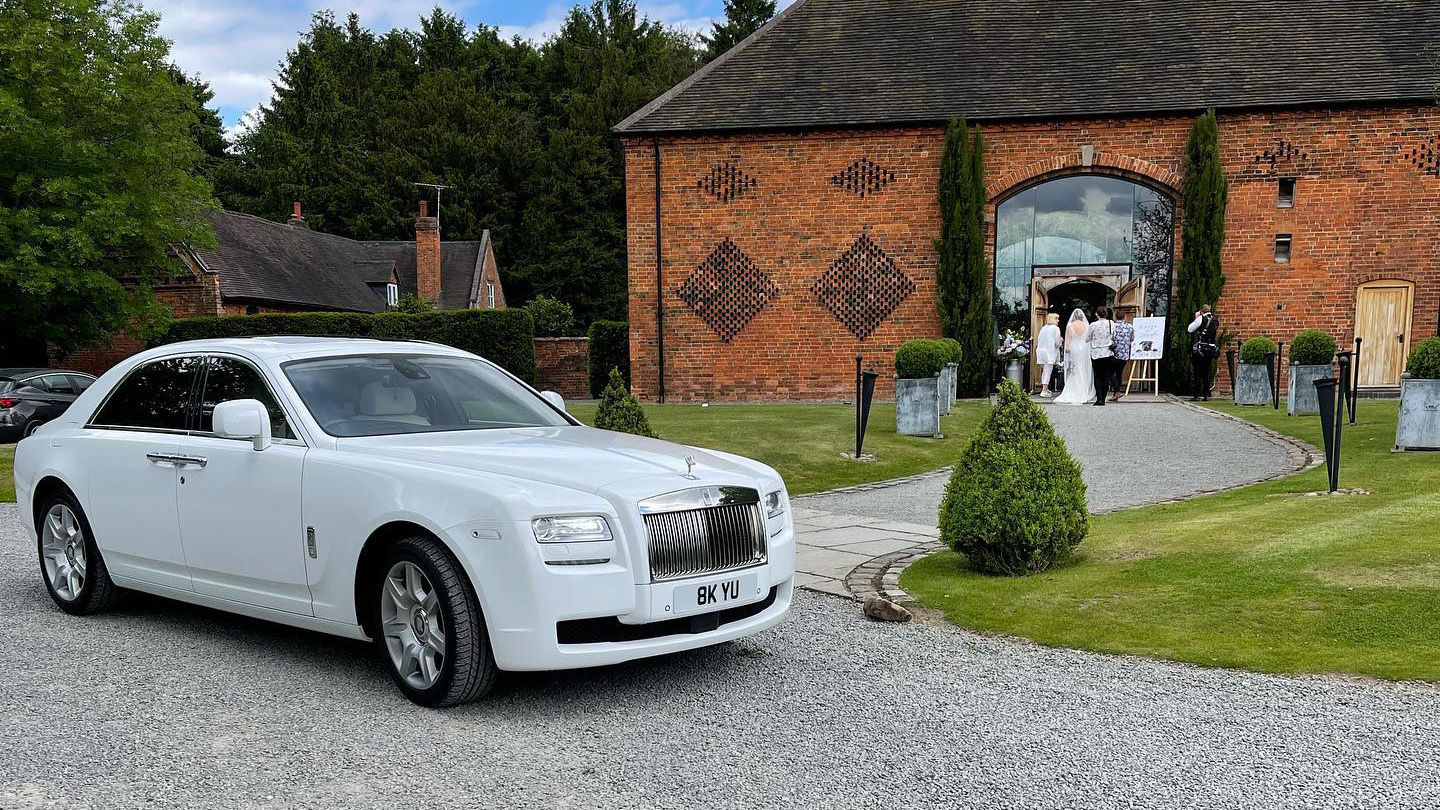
715	595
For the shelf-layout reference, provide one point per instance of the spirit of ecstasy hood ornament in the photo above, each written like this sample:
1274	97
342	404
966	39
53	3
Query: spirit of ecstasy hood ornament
690	468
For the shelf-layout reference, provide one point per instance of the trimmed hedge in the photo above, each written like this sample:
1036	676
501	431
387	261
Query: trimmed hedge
1312	347
609	348
1015	502
619	410
1253	351
505	337
1424	362
956	351
918	359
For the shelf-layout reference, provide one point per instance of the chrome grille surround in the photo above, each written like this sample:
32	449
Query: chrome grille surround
704	530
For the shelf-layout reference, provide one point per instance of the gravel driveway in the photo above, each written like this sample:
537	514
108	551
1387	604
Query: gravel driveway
163	705
1132	453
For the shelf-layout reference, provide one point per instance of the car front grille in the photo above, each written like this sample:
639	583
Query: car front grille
727	535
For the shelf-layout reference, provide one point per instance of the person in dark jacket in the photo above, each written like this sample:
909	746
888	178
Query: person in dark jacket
1204	331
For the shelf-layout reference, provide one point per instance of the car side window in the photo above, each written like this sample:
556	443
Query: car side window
155	396
227	379
58	384
80	382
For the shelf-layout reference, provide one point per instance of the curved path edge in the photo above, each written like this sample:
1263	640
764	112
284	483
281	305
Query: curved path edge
880	575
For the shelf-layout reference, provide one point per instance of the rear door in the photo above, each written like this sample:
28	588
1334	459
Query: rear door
240	517
57	392
132	444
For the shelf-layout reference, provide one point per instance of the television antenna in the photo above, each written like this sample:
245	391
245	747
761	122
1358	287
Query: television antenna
438	188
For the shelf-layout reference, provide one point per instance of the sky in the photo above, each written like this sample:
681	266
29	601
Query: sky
236	45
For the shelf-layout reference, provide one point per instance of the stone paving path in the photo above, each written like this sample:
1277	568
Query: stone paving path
1133	453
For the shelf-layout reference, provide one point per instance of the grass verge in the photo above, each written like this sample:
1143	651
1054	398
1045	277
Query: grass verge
805	441
7	474
1261	578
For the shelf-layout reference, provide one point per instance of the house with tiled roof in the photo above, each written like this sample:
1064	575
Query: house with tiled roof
781	202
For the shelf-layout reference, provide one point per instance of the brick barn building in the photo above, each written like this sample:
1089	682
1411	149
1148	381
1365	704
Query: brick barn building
793	220
258	265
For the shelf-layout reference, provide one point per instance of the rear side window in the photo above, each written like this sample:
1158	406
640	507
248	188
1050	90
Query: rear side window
81	382
57	384
154	397
227	379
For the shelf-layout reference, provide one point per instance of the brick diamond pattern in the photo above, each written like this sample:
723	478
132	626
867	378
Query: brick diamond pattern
725	182
1426	157
728	290
863	177
862	287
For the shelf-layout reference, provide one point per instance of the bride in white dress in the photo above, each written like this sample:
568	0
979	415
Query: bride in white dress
1079	380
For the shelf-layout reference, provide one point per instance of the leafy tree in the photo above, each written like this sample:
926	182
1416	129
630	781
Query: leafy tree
1015	502
1199	279
98	177
552	317
742	18
412	304
963	278
619	409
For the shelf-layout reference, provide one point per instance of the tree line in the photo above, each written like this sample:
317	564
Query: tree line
109	153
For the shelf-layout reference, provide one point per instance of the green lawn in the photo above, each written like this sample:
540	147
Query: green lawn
7	479
804	441
1259	578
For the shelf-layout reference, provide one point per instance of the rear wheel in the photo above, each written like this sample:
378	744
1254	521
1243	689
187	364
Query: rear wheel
429	627
32	424
75	575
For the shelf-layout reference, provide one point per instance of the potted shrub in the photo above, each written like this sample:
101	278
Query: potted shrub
1015	502
1419	425
1252	376
918	364
1312	357
1013	350
951	377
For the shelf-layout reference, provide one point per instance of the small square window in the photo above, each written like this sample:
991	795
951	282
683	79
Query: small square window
1285	193
1282	247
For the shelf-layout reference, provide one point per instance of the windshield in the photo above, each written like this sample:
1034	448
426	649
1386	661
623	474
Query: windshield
380	395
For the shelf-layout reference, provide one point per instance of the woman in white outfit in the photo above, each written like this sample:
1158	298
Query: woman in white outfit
1048	349
1079	377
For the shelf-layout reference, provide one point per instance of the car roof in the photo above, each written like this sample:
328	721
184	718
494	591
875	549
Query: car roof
22	373
295	346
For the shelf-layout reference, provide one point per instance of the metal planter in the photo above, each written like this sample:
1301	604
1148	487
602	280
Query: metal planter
917	411
1419	424
1252	384
1302	398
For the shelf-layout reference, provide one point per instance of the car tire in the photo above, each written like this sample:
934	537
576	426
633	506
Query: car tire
30	427
429	629
70	563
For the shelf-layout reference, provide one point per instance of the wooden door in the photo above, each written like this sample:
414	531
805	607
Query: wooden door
1131	296
1382	322
1039	306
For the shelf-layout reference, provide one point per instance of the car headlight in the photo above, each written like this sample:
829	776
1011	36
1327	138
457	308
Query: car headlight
774	504
570	528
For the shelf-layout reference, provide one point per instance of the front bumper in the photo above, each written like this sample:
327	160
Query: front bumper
526	601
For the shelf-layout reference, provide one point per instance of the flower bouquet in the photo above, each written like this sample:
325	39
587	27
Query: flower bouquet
1012	347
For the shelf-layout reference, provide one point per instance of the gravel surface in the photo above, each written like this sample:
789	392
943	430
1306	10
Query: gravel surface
1133	453
162	705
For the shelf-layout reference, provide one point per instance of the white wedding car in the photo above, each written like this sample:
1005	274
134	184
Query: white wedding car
405	492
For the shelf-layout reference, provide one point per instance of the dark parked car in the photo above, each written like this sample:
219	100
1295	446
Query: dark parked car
30	397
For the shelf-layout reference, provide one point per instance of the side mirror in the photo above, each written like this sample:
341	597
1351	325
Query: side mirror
554	399
242	419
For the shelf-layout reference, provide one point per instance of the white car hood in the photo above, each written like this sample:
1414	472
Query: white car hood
581	458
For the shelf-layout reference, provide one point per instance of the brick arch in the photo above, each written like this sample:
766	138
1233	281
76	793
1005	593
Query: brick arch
1389	275
1123	165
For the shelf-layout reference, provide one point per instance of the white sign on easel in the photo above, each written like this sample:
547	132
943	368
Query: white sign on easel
1146	349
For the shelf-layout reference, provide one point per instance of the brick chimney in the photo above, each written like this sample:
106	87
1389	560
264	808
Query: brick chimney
427	255
297	220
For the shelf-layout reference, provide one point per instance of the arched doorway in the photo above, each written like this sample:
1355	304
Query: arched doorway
1103	230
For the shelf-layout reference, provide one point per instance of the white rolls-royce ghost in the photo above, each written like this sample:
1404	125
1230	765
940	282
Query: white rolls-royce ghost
404	492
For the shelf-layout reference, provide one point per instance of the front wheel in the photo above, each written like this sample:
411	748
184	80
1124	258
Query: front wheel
75	575
429	627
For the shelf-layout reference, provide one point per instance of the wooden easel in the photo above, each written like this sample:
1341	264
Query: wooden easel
1145	372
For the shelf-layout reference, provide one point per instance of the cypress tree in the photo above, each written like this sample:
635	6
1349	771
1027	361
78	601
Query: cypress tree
963	279
1199	279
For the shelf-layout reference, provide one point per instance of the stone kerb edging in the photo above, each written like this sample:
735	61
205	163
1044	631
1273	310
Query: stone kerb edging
881	576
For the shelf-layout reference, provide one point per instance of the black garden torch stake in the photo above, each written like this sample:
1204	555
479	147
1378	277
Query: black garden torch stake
1230	363
1274	380
1355	381
864	393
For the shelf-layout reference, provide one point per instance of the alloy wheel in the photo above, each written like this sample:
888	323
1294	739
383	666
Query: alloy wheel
413	624
63	552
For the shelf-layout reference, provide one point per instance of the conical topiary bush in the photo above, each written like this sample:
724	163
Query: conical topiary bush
619	409
1016	501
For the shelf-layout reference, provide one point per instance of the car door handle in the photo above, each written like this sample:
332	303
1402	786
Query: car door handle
178	461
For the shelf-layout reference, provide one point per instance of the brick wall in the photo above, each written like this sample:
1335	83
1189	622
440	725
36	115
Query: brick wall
187	297
1363	211
562	365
